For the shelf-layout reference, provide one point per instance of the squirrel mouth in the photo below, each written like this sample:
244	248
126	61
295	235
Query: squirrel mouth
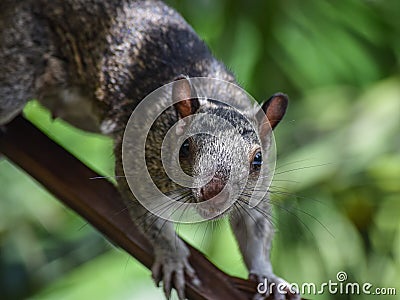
215	206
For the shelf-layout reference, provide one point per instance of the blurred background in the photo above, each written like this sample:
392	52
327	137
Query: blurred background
336	193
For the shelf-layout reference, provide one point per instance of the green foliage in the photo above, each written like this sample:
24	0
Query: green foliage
336	191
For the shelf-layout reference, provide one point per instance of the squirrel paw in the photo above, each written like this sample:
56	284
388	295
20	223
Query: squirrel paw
172	271
271	284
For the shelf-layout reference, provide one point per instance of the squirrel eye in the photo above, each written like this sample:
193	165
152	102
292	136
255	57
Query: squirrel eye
257	161
184	151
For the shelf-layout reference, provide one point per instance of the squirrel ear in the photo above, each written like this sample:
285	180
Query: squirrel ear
274	109
185	104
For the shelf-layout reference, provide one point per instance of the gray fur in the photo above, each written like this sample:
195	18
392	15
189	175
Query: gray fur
91	62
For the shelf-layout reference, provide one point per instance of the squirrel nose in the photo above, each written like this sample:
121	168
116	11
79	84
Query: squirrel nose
212	188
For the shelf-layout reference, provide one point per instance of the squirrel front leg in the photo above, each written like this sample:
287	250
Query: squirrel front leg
254	231
171	263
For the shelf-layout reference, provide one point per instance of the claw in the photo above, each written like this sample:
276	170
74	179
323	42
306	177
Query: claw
179	282
191	274
167	284
173	272
156	273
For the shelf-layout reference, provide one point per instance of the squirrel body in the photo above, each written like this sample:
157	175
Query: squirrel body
106	58
91	62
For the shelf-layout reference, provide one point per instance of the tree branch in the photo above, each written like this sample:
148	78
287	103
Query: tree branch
99	202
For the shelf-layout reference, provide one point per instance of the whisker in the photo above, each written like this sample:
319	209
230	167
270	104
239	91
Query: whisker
244	209
292	163
302	168
109	177
296	196
205	233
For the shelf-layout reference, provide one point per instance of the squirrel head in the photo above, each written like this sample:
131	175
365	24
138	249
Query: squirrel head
224	147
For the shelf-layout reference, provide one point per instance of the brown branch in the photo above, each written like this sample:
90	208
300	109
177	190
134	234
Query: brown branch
99	202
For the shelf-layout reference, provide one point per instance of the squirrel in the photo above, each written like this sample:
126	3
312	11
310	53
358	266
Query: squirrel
91	62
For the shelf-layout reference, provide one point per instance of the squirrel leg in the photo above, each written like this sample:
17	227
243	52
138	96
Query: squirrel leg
254	231
171	264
